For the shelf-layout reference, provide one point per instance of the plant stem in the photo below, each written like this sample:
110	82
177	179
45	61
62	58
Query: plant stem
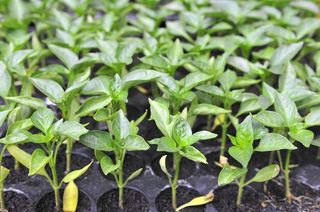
224	135
176	162
240	189
287	178
209	120
55	185
68	155
120	178
2	202
318	155
271	159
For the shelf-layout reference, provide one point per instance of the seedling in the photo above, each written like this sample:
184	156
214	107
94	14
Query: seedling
50	138
123	138
178	140
242	150
287	122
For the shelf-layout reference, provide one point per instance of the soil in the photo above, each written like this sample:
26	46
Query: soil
78	162
47	203
184	195
133	201
187	167
225	199
305	199
15	176
17	202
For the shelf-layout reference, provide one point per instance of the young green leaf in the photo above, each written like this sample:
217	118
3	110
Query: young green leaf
65	55
229	174
163	165
97	140
50	88
135	143
265	174
120	125
193	154
273	142
107	165
42	119
76	173
285	53
207	109
133	175
160	114
72	129
92	104
28	101
5	77
38	160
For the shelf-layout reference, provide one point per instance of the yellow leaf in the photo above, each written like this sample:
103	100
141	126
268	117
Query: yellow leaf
218	120
198	201
70	197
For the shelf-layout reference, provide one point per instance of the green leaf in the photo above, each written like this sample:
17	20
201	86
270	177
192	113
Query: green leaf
313	118
24	124
229	174
194	79
269	119
135	143
133	175
76	173
50	88
287	109
18	57
227	79
165	144
242	155
4	172
303	136
285	53
245	132
193	154
68	58
4	111
97	140
175	28
140	76
265	174
72	129
273	142
28	101
107	165
181	130
97	85
161	115
175	53
15	138
92	104
157	61
39	159
201	135
42	119
125	52
207	109
24	158
120	126
5	77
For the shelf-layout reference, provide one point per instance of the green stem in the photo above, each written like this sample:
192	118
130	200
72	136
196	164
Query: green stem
224	135
68	155
287	177
280	160
209	120
240	189
318	155
176	162
271	159
55	185
2	201
120	178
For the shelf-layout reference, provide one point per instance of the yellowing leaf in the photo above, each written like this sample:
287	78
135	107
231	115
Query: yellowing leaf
219	120
70	197
198	201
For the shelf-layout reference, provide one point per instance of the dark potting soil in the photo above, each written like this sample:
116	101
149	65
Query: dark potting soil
184	195
187	167
47	203
131	164
17	202
78	162
305	199
225	199
15	175
134	201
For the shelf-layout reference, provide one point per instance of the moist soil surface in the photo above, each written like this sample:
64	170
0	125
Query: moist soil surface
17	202
15	175
225	200
184	195
134	201
305	199
78	162
187	167
47	203
131	164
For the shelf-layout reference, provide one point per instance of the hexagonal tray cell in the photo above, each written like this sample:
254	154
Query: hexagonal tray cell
187	167
133	201
184	194
47	202
16	200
